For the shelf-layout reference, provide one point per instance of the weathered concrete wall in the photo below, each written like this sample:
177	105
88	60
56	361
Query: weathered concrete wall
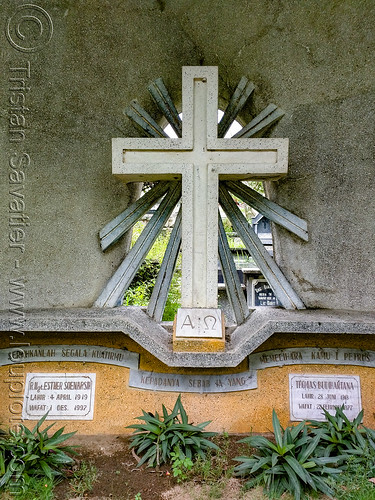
98	60
313	59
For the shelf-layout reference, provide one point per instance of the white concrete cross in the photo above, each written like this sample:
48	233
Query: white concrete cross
201	159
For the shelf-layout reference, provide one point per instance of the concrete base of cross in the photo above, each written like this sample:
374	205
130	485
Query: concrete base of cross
199	330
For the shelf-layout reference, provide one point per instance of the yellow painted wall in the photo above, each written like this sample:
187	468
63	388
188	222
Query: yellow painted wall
116	404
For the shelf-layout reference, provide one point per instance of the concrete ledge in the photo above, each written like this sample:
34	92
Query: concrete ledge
135	323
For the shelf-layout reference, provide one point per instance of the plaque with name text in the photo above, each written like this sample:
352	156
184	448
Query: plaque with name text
263	295
65	396
311	393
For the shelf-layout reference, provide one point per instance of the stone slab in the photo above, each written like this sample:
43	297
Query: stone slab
66	396
133	322
83	353
310	393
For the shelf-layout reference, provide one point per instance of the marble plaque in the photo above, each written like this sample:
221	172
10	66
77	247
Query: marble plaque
309	393
173	382
66	396
199	323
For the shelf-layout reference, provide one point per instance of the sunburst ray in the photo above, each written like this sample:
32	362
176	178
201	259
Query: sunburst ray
144	121
271	210
261	122
239	97
118	226
279	284
159	294
113	292
231	279
163	100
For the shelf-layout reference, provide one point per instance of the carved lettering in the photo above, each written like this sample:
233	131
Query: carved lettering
210	322
187	322
57	393
324	392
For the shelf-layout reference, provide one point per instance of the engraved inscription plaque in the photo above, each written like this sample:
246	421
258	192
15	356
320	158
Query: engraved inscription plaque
173	382
65	396
199	323
54	352
309	394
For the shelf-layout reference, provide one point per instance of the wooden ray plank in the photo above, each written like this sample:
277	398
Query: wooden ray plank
143	120
277	281
232	281
162	98
236	103
261	122
271	210
118	226
159	295
113	292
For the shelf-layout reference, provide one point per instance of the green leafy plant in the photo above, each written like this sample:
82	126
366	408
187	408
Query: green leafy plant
140	291
291	464
26	454
341	436
160	435
215	470
181	465
174	297
216	466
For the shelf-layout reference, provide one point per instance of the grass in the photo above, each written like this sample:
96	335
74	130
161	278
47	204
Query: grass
354	484
36	489
83	478
215	470
42	488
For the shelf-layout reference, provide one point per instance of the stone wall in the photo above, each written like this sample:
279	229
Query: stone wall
313	59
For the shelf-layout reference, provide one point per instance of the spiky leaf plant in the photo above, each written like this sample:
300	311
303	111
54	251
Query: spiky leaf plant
291	464
26	454
160	435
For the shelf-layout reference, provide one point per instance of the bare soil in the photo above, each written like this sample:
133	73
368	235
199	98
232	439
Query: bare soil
119	478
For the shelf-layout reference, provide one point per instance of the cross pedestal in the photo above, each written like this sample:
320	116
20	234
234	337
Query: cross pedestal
200	158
